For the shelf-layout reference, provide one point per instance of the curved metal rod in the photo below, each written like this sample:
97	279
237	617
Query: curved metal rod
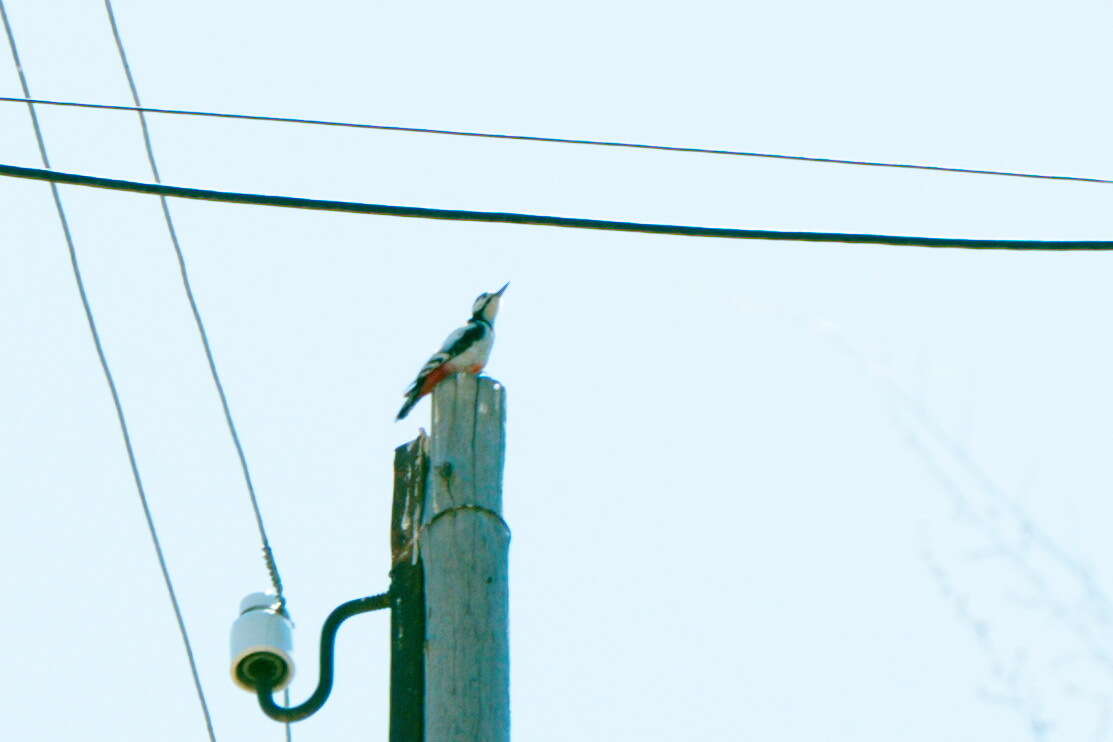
339	614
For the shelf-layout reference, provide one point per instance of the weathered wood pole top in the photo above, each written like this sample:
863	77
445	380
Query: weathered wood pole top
463	545
467	445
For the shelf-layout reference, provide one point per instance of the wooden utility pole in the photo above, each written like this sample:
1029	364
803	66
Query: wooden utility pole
407	595
448	527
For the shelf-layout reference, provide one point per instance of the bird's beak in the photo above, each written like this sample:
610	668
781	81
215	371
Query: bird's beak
499	292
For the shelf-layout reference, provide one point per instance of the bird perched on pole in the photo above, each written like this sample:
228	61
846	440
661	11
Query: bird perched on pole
464	351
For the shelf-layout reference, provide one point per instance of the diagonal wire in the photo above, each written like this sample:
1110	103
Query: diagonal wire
561	140
111	384
268	554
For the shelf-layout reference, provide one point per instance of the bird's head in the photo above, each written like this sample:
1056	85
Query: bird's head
487	305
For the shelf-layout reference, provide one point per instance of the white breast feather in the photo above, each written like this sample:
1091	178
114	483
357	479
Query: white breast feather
475	355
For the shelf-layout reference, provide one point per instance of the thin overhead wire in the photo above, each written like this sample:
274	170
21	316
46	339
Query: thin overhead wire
563	140
268	553
420	212
111	386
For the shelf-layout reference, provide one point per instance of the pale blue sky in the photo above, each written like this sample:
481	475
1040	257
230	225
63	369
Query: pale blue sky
735	471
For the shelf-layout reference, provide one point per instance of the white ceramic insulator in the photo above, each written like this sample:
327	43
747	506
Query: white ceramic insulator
261	628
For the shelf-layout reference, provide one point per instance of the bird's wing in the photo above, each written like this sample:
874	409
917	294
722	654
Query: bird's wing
460	340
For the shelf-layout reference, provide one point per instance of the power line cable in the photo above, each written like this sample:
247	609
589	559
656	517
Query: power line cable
111	385
420	212
268	553
563	140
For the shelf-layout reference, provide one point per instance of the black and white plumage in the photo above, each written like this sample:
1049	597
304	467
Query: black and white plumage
466	350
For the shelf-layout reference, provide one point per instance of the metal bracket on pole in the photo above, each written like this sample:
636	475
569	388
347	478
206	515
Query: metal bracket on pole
264	676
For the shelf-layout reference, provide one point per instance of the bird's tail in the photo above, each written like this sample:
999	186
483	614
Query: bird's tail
408	405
